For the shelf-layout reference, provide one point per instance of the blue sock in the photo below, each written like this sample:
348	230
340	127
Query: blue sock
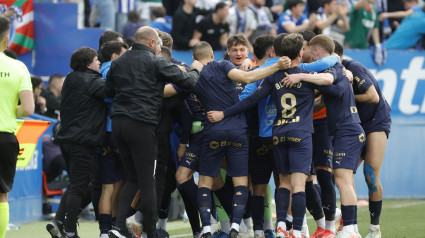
247	213
240	197
105	223
313	201
190	189
204	205
257	208
298	210
375	211
328	194
282	204
318	189
348	214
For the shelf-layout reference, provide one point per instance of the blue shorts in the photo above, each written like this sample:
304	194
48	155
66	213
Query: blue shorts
190	159
368	128
322	145
293	152
348	144
261	159
229	144
110	167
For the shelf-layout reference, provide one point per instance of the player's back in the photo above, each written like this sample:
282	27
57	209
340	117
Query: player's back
294	105
341	107
363	79
217	92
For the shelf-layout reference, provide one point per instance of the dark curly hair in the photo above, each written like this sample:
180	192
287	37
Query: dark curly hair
81	58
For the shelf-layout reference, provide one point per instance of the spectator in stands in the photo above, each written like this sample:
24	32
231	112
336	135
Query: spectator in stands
214	28
184	25
123	8
53	95
264	18
410	31
293	20
108	36
40	102
133	23
159	21
332	20
144	8
410	6
363	24
105	10
363	20
130	41
241	19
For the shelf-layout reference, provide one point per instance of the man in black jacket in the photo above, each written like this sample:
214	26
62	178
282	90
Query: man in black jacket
83	126
136	80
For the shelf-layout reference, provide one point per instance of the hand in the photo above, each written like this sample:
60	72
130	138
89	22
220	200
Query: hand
215	116
291	79
193	42
343	9
379	54
182	68
284	63
246	65
197	65
41	101
180	151
349	75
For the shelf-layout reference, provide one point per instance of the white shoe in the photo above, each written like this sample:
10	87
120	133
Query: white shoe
104	236
247	234
374	233
344	234
215	228
134	227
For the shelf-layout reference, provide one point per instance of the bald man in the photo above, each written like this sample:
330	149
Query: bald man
136	81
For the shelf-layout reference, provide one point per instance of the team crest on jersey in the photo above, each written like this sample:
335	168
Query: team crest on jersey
214	145
275	140
362	138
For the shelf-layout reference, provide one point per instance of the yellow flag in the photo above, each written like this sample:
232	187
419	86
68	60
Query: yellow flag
27	133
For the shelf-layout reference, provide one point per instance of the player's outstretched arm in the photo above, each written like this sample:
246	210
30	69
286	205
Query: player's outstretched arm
256	75
322	79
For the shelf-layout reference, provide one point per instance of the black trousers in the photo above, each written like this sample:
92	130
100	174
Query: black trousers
137	144
9	148
80	161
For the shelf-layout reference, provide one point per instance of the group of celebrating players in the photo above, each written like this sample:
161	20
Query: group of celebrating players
310	119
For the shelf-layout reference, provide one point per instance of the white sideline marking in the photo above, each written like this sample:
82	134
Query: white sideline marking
182	235
407	204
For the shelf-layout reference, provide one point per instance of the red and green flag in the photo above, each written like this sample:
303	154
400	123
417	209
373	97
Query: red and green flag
22	40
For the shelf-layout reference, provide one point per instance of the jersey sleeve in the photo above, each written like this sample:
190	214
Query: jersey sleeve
336	89
262	91
285	19
226	66
25	80
320	65
361	81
